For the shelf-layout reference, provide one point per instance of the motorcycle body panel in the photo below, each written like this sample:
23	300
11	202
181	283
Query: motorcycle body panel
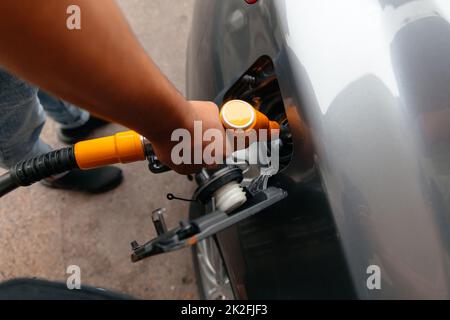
371	81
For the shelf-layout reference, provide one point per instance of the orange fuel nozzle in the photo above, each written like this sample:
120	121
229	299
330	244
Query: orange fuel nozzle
123	147
241	115
129	146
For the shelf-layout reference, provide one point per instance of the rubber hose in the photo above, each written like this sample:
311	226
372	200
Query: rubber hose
7	184
27	172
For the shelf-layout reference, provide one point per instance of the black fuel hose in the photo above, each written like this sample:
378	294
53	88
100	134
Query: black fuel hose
7	184
27	172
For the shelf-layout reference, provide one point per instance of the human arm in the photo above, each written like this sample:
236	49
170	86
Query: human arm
101	67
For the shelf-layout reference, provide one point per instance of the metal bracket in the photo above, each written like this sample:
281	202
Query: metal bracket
188	234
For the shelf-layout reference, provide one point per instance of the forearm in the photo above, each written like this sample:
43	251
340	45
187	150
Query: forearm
101	67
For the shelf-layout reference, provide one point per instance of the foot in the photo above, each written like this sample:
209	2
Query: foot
74	135
90	181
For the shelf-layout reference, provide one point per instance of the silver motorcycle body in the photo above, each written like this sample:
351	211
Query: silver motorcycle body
370	82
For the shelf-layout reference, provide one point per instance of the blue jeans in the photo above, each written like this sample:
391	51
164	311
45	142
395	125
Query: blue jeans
22	118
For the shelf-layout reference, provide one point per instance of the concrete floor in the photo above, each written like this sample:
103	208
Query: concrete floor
43	231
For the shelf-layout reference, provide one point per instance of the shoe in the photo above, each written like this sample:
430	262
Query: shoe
90	181
74	135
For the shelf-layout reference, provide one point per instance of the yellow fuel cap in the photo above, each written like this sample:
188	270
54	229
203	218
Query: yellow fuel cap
237	114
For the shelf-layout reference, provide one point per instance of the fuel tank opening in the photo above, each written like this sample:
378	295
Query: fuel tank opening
223	184
258	87
252	105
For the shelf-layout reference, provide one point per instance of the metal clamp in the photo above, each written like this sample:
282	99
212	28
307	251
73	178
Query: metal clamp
154	165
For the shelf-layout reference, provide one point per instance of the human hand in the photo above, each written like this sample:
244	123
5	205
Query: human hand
201	153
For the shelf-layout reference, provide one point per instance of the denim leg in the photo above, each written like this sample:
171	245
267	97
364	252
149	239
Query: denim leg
21	121
66	114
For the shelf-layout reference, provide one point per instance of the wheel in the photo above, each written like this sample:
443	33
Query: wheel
212	277
213	282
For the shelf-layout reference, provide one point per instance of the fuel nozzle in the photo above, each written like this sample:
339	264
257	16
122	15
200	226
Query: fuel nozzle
125	147
241	115
129	146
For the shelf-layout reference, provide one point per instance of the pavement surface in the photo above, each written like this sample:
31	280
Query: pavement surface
43	231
